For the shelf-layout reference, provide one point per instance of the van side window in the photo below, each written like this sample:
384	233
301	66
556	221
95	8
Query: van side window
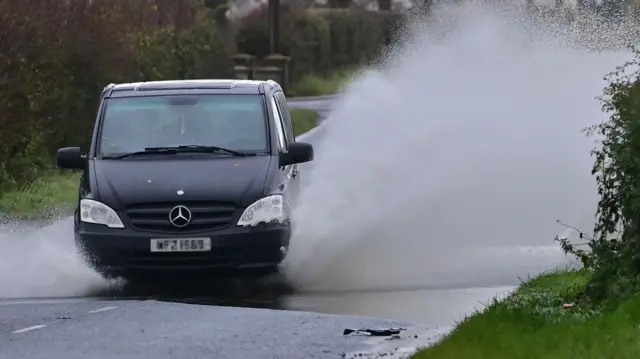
277	119
286	116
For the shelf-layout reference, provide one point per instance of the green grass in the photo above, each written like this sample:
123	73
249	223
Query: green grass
55	194
303	120
531	323
51	196
315	85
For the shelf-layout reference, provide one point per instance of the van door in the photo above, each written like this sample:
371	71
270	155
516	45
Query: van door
287	126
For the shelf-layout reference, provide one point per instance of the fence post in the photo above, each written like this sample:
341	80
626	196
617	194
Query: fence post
244	66
280	62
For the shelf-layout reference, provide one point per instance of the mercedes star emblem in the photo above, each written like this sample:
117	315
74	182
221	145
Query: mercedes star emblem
180	216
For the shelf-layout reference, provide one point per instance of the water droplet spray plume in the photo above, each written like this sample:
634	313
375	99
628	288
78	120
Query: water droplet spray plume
448	163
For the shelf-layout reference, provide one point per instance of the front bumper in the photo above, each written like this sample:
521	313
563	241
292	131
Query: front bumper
119	252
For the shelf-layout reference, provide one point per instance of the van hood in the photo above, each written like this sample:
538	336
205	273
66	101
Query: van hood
203	178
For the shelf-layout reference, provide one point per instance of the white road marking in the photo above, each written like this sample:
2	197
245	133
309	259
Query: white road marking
100	310
28	329
35	327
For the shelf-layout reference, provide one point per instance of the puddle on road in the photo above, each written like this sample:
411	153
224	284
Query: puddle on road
431	306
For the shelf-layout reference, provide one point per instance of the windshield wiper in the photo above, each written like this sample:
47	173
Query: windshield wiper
199	148
147	151
177	149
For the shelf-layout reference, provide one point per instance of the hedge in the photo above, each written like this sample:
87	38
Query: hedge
320	40
56	56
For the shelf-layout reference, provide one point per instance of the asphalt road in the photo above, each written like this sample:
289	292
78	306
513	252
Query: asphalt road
187	323
151	329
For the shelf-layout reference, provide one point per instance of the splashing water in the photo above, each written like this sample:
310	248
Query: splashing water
450	162
43	263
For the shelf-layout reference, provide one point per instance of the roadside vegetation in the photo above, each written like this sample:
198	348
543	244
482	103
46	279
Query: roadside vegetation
50	196
303	120
594	312
315	85
533	323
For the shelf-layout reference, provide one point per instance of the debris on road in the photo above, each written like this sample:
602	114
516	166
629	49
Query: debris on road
401	345
374	332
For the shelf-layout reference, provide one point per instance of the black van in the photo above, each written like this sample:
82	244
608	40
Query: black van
187	175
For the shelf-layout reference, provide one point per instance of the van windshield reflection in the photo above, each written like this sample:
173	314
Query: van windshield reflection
236	123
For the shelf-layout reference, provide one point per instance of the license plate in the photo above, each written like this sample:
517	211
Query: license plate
181	245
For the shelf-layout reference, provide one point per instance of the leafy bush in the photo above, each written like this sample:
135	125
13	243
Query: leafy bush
614	251
320	40
56	56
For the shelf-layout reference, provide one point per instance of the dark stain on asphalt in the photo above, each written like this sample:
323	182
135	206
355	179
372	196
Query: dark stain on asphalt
233	292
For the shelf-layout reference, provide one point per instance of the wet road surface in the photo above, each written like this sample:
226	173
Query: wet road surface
225	319
151	329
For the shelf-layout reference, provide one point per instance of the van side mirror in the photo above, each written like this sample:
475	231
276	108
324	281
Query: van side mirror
299	152
71	158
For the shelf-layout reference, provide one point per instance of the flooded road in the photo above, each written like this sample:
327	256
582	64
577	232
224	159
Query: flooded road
428	306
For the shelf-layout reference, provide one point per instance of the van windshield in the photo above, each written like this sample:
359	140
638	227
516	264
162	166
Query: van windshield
235	122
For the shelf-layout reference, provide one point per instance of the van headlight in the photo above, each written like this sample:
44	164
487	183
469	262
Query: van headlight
99	213
265	210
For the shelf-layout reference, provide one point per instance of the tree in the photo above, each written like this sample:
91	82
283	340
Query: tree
384	4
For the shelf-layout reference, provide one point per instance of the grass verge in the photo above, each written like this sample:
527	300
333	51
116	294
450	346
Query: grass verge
51	196
531	323
303	120
315	85
55	194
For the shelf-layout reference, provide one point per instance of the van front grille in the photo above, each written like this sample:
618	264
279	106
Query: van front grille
205	216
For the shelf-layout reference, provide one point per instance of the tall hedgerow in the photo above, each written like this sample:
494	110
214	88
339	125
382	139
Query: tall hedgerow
613	257
56	56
